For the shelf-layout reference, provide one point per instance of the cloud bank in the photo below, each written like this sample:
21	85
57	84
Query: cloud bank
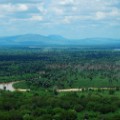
60	17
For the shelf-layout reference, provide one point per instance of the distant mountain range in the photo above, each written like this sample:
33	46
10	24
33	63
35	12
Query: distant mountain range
40	40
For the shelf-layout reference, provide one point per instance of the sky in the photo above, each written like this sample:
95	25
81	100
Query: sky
68	18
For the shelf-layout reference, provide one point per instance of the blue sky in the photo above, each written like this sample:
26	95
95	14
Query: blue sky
69	18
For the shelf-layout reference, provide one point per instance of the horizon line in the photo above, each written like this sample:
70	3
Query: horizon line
59	35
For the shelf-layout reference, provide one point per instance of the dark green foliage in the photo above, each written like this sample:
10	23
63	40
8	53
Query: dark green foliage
27	106
45	71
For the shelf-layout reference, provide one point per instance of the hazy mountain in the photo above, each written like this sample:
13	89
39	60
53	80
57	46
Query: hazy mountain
33	39
36	39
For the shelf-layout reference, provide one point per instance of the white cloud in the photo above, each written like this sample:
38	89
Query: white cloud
58	11
66	2
41	8
67	19
13	8
100	15
22	7
63	11
32	18
113	14
71	19
36	18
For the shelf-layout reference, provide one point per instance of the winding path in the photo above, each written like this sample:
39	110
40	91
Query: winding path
9	86
82	89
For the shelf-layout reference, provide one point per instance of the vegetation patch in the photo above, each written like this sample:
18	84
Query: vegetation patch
21	85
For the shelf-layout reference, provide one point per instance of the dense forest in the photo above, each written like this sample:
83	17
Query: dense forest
44	70
63	68
70	106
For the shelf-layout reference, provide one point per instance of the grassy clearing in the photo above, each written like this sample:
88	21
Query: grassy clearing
96	82
21	85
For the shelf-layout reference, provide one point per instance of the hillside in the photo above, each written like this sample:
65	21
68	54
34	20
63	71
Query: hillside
36	39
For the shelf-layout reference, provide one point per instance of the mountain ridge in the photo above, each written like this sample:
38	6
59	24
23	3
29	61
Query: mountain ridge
37	39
